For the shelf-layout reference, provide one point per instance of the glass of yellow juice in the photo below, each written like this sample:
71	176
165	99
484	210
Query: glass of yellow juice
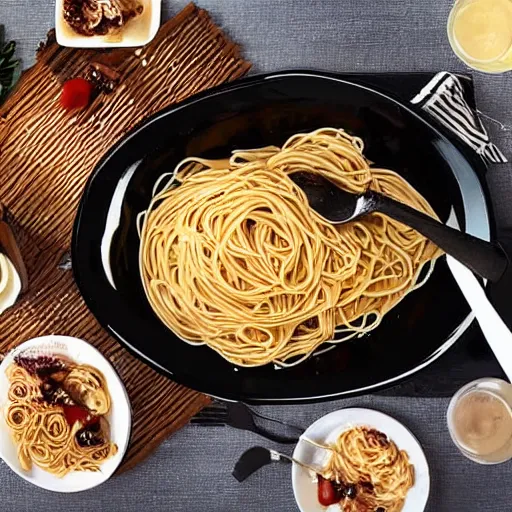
480	33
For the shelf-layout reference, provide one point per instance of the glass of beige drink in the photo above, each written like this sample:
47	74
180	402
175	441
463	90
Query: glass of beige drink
480	33
480	420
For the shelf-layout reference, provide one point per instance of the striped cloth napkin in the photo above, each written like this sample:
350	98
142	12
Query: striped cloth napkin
443	98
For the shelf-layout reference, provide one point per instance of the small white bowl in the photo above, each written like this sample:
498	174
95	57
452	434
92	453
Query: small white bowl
120	417
138	31
10	283
327	429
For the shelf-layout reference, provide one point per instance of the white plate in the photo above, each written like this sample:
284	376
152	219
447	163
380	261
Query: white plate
10	283
120	417
138	31
327	429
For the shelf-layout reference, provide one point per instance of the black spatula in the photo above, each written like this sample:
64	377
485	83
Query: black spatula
338	206
257	457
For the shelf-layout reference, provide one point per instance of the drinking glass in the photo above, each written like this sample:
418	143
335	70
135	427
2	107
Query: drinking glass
480	420
480	33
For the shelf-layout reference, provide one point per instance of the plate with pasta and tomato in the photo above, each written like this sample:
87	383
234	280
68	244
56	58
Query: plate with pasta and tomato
65	417
367	462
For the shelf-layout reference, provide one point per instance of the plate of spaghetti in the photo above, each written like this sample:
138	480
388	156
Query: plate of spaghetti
367	462
65	417
195	249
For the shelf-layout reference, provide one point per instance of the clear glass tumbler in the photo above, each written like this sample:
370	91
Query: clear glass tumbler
480	33
480	420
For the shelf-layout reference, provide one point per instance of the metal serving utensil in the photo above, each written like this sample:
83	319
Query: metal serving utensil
238	415
256	457
338	206
495	330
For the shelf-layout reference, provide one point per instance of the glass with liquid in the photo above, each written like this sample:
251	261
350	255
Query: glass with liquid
480	420
480	33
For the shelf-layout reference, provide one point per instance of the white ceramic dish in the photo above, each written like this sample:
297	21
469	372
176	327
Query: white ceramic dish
327	429
137	32
10	283
120	417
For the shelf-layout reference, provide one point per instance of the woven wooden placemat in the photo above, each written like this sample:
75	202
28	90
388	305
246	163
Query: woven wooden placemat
46	156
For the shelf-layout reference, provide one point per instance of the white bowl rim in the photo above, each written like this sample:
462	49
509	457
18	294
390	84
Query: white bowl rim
113	379
78	41
368	417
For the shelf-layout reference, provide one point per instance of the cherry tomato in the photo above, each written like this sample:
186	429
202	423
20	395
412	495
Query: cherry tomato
76	93
327	494
74	413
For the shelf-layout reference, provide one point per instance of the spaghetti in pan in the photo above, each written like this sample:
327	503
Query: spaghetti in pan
232	256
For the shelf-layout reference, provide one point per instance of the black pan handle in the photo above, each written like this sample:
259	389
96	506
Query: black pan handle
484	258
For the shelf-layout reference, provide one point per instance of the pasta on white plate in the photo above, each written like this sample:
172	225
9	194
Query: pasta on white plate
56	415
366	472
232	256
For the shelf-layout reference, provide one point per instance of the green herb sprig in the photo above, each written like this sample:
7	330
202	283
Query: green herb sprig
10	69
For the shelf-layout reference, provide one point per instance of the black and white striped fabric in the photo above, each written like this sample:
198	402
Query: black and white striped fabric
443	98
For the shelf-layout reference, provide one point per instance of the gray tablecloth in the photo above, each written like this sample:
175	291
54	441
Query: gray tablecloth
191	472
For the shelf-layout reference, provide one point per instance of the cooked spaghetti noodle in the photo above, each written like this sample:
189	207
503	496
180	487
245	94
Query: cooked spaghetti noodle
42	431
233	257
379	472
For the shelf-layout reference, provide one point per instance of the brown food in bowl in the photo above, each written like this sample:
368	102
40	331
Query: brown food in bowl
100	17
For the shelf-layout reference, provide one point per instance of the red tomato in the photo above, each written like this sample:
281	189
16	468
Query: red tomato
327	494
76	93
74	413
